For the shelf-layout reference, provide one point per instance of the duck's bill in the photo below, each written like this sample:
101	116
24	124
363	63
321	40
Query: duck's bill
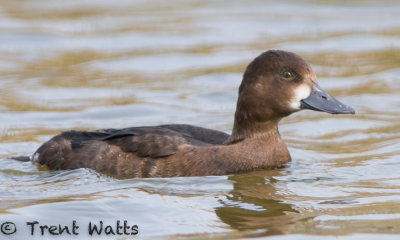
319	100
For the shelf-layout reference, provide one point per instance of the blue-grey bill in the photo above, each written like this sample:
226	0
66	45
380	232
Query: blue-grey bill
319	100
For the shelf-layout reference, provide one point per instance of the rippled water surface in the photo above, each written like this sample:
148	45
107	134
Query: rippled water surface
100	64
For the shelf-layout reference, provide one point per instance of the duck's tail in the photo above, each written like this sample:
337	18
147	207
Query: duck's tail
21	158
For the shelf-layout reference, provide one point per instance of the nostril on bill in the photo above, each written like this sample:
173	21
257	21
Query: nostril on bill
324	97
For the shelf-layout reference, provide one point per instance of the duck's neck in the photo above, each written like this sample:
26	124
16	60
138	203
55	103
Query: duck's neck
244	128
254	145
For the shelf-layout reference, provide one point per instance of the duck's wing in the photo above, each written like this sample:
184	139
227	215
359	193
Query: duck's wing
204	135
124	152
152	142
155	142
75	149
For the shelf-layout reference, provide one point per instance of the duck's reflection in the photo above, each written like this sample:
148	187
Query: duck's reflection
253	204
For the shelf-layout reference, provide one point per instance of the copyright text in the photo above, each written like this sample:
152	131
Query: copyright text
92	228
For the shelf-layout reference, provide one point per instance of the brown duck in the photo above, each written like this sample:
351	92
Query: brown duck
275	85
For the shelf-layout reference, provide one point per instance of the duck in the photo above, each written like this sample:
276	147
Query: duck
275	84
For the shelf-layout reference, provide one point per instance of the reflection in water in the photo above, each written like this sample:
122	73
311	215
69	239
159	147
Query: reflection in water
253	204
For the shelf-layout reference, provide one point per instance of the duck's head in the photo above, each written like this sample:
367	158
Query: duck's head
276	84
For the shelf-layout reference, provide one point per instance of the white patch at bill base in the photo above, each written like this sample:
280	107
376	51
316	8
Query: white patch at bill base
35	157
301	92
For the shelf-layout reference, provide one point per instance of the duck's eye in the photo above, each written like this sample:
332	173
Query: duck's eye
287	75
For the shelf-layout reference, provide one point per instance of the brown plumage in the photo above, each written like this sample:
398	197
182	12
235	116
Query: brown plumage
267	94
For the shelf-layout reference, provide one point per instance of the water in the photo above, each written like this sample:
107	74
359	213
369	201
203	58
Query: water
100	64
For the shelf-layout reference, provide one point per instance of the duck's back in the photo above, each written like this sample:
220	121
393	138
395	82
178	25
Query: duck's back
128	152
